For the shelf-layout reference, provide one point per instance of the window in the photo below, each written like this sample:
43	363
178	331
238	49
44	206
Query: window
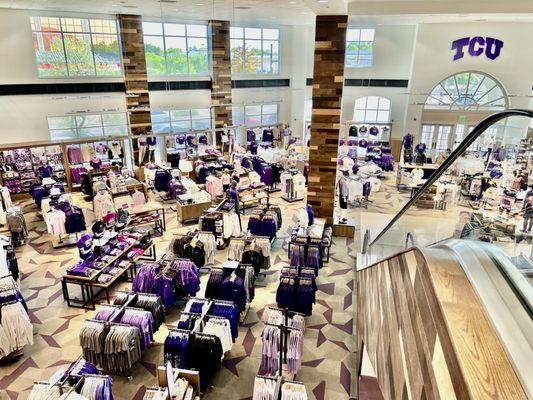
88	125
254	50
372	109
359	48
76	47
308	110
174	121
255	115
427	135
175	49
442	138
467	91
475	144
459	135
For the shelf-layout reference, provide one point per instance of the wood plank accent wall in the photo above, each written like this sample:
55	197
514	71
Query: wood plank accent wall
426	332
221	73
328	80
135	74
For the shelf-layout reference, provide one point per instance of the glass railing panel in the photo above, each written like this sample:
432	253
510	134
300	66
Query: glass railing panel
483	191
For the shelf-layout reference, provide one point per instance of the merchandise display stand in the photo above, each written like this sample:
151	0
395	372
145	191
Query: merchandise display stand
314	236
427	168
149	214
88	285
191	212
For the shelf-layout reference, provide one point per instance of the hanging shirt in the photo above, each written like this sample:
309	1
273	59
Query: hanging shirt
355	189
55	222
116	149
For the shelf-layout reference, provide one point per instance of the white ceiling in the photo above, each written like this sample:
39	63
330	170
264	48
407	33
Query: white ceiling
285	12
296	12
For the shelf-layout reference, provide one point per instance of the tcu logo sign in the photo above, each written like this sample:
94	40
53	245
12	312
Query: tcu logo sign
476	46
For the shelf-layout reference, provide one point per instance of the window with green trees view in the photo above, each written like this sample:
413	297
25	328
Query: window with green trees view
175	49
359	48
254	50
76	47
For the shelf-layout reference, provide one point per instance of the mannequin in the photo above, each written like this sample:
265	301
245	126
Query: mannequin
226	180
342	192
233	194
151	142
224	138
420	156
527	209
141	144
407	144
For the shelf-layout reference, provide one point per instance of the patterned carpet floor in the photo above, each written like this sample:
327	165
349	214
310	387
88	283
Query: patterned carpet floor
329	354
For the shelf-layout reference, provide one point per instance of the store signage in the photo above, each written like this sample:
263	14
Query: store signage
476	46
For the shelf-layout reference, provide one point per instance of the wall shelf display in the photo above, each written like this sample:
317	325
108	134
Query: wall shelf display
380	132
21	167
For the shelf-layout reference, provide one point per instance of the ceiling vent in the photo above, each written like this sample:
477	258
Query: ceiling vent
168	1
242	8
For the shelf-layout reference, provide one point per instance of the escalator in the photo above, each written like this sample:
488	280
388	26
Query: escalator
445	307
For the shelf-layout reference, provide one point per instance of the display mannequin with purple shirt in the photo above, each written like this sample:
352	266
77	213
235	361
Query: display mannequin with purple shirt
407	145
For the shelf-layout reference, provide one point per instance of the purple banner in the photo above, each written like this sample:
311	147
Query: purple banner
477	46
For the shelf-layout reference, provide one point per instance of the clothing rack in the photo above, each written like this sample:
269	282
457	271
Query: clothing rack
285	330
17	353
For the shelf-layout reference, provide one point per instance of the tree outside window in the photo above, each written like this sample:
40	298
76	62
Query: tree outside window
359	48
254	50
76	47
176	49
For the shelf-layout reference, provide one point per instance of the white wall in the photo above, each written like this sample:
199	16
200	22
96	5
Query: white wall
393	52
24	118
397	96
393	49
433	62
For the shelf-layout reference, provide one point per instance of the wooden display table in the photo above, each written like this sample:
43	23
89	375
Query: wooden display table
344	230
191	212
428	169
148	214
91	288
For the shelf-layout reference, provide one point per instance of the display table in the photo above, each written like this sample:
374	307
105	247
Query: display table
344	230
91	287
312	234
191	212
148	214
246	202
428	169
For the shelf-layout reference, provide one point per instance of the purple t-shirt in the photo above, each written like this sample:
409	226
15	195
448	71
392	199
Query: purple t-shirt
408	141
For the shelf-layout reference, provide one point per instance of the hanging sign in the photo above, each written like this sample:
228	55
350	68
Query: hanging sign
476	46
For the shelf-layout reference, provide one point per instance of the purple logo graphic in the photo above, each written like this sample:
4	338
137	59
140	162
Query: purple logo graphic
476	46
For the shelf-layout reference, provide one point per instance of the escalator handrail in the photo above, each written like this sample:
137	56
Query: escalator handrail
465	144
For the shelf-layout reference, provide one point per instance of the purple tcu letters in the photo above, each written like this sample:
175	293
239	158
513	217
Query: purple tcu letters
476	45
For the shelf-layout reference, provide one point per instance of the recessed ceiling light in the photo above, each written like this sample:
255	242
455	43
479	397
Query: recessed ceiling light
292	2
323	1
199	4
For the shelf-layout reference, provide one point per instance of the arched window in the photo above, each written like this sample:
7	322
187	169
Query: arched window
372	109
468	91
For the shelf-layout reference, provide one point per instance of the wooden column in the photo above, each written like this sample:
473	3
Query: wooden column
135	75
219	32
328	80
